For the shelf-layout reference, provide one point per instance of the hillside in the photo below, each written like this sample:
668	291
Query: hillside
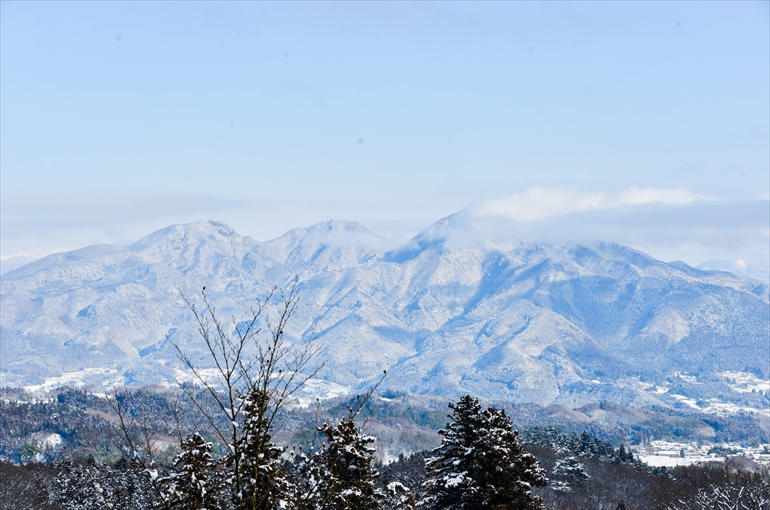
463	307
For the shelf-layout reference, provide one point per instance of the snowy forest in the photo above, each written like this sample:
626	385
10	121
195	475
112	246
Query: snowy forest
235	439
481	462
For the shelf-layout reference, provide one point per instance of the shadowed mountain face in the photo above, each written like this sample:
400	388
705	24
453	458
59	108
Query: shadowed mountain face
459	309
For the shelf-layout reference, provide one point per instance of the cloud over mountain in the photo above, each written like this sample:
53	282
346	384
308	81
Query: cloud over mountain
537	203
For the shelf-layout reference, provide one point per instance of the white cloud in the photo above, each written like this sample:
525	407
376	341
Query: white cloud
538	203
636	195
669	224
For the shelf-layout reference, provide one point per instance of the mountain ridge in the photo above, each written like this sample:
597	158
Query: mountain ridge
458	308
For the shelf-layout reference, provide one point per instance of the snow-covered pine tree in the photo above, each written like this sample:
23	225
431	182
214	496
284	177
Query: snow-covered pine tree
343	472
90	485
570	466
480	464
408	471
82	486
263	484
625	456
191	483
132	486
399	497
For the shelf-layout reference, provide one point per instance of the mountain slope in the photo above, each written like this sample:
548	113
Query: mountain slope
460	308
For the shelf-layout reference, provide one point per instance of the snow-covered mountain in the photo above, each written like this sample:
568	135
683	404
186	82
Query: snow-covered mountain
462	307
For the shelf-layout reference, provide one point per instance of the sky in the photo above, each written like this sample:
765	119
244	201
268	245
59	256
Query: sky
646	123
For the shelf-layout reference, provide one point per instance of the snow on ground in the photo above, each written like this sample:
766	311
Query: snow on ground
745	382
638	384
688	401
76	379
671	453
727	409
52	441
320	389
669	461
207	374
689	378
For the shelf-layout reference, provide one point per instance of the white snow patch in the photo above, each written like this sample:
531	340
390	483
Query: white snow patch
688	378
672	461
71	379
745	382
52	441
320	389
209	375
669	323
639	385
689	401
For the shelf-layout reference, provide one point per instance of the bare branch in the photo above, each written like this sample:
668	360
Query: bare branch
249	362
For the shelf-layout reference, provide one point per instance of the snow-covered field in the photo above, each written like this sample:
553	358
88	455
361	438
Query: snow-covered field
669	453
107	377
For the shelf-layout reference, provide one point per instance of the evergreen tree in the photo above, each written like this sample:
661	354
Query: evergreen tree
480	464
570	466
257	372
81	486
399	497
191	484
343	471
625	456
263	484
341	476
131	486
90	485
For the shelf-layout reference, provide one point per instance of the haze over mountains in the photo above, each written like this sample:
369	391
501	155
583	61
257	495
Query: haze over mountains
462	307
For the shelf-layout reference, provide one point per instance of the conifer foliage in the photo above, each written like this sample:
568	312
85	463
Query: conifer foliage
341	475
264	482
344	471
91	485
480	464
191	483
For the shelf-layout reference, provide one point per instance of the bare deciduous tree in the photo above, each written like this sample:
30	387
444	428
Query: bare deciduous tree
138	433
256	372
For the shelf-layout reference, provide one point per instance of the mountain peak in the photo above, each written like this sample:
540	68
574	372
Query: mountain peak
200	230
331	233
222	228
340	226
464	307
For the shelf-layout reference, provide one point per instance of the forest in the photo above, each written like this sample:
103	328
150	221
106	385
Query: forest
566	470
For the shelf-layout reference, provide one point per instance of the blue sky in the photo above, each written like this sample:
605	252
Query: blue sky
117	118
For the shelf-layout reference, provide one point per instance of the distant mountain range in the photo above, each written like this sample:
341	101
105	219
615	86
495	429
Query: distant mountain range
462	307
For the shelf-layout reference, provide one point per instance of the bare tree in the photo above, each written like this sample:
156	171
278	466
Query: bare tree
256	373
723	486
137	432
